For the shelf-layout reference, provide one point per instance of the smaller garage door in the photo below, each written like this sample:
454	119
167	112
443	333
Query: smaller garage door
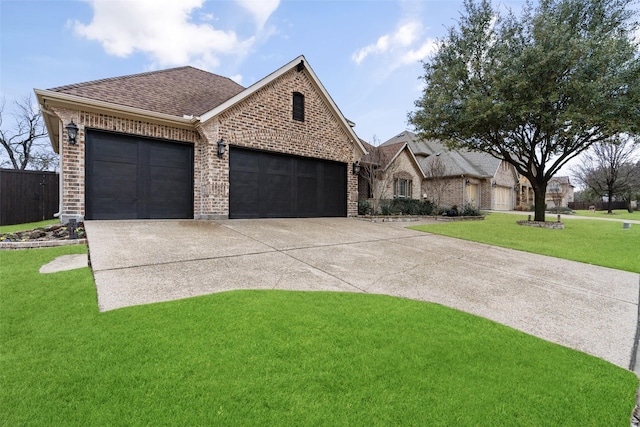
271	185
502	199
129	177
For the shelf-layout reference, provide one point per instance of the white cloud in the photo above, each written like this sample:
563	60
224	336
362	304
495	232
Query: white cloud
237	78
405	46
402	38
414	55
260	9
164	30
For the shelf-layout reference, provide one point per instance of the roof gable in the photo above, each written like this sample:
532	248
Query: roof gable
457	162
389	153
303	65
182	91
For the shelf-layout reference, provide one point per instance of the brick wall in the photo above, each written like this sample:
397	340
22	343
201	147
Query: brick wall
73	156
264	121
404	167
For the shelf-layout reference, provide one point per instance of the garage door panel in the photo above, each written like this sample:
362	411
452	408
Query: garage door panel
275	197
106	170
307	196
245	198
129	177
173	157
264	185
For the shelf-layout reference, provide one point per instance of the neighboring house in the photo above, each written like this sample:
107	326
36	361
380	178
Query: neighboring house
400	174
526	196
459	177
559	192
185	143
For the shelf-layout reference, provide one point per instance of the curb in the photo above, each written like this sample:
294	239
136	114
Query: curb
41	244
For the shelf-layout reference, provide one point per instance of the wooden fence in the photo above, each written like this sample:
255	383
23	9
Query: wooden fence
600	206
27	196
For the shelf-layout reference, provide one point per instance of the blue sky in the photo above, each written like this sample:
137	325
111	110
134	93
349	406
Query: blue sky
366	53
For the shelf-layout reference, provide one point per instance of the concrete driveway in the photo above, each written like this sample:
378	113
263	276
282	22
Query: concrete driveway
592	309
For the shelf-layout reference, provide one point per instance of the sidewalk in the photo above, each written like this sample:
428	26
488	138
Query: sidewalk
551	216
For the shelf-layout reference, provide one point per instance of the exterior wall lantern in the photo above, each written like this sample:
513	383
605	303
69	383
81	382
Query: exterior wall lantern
493	184
516	187
467	182
356	168
222	147
72	132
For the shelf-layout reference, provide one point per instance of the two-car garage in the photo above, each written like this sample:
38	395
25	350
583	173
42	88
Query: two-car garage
131	177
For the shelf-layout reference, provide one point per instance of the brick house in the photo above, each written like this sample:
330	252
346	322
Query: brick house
559	192
185	143
459	177
398	163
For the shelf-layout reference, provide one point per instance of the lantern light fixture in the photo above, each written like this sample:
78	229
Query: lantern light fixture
356	168
222	147
72	132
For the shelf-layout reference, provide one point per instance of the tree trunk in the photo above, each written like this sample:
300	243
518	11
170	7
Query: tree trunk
539	195
610	201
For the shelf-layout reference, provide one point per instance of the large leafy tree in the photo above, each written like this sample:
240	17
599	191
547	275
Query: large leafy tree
537	89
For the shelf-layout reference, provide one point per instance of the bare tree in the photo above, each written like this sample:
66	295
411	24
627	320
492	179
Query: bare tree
437	183
632	189
25	143
556	193
607	168
377	170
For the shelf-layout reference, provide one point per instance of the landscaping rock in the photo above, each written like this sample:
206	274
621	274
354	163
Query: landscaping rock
543	224
52	232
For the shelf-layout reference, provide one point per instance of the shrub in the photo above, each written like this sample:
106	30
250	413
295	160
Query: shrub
453	211
523	207
385	208
364	207
470	210
560	210
406	207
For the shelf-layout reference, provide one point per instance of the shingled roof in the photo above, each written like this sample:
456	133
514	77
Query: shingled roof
176	91
459	162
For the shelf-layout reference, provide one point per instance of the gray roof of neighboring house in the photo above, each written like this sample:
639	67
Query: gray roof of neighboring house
561	180
177	91
460	162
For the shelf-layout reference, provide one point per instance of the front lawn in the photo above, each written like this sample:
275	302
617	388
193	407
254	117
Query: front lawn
603	243
616	214
280	358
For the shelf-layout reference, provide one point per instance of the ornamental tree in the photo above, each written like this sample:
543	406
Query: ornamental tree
537	89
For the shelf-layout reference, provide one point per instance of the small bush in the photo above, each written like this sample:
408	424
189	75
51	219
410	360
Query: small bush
385	208
364	207
470	210
406	207
523	207
560	210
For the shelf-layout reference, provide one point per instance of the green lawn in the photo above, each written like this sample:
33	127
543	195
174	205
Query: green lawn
280	358
603	243
617	214
29	226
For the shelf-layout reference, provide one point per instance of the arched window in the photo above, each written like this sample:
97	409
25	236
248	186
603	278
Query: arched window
298	106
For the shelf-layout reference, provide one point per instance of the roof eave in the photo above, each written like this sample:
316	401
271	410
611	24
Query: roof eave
46	98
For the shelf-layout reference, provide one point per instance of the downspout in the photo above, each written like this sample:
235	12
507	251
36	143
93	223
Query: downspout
57	214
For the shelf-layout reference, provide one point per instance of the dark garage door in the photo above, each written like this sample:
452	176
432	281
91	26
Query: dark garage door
269	185
129	177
